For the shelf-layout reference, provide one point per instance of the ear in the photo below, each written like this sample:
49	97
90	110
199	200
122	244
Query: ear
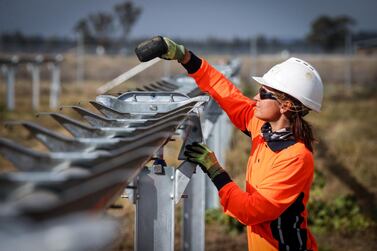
285	106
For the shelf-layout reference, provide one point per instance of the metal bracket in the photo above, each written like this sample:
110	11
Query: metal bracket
55	142
97	120
183	176
76	128
193	133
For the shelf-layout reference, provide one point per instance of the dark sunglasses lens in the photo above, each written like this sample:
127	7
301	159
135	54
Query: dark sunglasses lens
263	94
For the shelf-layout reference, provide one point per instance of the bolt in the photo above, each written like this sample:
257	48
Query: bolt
172	177
171	196
153	107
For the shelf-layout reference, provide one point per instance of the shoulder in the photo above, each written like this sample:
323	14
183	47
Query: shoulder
297	156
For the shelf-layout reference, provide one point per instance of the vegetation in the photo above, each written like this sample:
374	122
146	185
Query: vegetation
112	30
100	26
330	33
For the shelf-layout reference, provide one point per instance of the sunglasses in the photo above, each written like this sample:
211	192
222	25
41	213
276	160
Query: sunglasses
264	94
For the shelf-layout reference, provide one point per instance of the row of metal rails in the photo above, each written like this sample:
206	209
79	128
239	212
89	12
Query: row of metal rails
56	198
9	66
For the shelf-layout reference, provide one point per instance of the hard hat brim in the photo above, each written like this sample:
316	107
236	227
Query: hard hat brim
261	81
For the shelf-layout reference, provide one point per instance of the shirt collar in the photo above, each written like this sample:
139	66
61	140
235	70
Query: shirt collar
279	139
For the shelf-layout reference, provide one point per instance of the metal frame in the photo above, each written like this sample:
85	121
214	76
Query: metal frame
108	152
9	67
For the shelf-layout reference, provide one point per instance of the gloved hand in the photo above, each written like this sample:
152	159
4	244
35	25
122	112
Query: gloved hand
200	154
175	51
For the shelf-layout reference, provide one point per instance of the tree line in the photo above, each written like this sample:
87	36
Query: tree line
112	30
102	27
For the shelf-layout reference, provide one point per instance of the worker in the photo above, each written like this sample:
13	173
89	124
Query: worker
280	167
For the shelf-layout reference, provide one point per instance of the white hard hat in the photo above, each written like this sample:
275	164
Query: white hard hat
298	79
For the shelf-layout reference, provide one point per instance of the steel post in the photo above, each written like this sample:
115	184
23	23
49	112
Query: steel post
80	53
212	200
10	87
154	229
34	68
11	71
194	213
55	84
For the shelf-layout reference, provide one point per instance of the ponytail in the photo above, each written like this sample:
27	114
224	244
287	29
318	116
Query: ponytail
301	129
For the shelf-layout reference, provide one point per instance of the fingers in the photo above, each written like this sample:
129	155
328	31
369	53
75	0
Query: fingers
202	146
198	147
192	154
193	148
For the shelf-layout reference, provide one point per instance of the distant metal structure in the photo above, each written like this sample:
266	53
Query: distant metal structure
348	53
108	152
80	59
9	66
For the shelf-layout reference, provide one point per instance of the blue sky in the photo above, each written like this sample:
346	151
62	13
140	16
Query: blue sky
189	19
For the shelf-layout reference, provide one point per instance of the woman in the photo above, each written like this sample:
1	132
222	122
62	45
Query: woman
280	167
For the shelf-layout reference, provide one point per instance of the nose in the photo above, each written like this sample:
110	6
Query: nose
256	97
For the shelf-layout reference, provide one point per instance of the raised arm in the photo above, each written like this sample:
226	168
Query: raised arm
239	108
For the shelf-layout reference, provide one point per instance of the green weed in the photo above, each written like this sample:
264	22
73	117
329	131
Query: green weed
342	214
232	226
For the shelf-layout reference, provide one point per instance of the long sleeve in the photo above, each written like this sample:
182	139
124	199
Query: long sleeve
239	108
271	196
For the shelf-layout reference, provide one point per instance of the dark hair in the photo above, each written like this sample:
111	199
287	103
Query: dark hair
301	129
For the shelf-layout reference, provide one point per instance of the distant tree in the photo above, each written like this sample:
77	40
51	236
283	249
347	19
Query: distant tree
102	27
82	27
16	37
96	28
330	33
262	42
364	35
127	14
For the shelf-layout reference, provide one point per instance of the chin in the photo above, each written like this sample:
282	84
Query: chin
258	116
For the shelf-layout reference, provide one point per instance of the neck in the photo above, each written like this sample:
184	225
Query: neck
281	123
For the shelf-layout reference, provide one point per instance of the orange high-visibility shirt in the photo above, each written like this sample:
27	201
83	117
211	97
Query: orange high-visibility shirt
277	183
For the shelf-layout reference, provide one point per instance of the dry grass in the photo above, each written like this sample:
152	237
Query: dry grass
346	126
333	69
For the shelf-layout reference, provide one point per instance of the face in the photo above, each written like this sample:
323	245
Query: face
267	107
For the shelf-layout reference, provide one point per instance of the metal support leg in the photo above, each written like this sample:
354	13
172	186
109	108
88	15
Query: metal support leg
194	214
155	211
212	200
218	141
80	52
193	209
55	86
34	68
10	87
